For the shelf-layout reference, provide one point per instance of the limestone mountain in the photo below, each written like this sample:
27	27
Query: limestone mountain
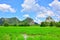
49	19
15	21
29	21
10	21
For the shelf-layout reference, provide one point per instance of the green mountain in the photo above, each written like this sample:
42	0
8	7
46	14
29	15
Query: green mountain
9	21
15	21
28	21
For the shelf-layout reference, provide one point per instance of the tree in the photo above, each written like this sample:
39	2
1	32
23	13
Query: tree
5	24
43	24
57	24
52	23
48	22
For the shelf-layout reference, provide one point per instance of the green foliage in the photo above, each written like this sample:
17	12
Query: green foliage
45	23
48	24
52	23
33	33
57	24
5	37
9	21
5	23
28	22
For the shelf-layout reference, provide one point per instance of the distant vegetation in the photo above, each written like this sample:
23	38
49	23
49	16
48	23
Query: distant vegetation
28	22
50	22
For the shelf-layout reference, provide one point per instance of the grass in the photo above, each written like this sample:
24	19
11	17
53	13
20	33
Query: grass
33	33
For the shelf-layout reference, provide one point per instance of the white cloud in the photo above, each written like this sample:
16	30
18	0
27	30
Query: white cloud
27	5
55	2
41	15
26	15
32	5
6	8
46	13
50	13
41	11
58	16
55	5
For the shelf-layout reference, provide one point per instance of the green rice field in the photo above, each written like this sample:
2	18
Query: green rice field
29	33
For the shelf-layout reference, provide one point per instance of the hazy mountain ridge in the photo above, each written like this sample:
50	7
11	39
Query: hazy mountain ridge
15	21
28	21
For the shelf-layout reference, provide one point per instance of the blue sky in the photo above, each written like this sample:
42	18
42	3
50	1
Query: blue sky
36	9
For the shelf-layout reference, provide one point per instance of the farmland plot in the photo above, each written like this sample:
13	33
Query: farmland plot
29	33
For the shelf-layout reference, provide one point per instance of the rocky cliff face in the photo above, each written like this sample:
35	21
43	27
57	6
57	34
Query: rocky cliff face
29	21
49	19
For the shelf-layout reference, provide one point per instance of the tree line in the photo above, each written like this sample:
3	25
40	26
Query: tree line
51	24
28	22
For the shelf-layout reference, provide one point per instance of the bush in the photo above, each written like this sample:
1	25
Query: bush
57	24
48	24
5	24
52	23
